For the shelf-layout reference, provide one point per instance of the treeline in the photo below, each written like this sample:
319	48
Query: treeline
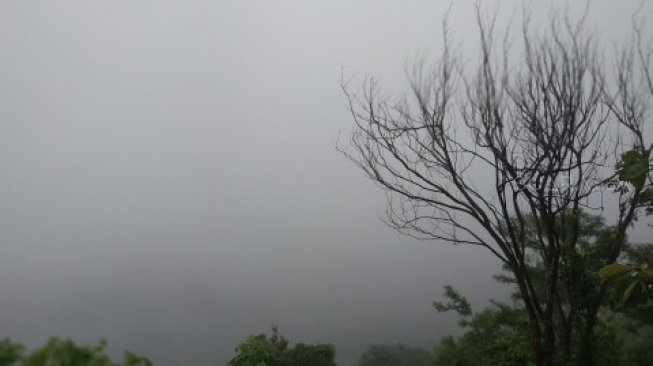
499	335
64	352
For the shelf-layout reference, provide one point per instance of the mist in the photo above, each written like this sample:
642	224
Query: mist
170	183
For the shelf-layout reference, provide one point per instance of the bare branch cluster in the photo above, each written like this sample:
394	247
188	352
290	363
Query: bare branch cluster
469	158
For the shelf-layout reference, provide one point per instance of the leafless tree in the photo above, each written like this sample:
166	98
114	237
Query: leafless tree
468	159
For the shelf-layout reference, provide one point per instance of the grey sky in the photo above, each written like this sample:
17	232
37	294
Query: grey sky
169	182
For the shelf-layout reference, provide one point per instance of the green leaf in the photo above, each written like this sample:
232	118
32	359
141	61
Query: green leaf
629	292
633	168
614	269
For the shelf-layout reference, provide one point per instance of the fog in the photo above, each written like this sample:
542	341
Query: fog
169	181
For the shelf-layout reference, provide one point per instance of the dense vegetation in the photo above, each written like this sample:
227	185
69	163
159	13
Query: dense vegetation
64	352
275	350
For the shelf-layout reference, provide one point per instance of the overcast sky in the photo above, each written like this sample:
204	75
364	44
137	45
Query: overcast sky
168	177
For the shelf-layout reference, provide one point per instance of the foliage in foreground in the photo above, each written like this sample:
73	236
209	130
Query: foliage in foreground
496	336
274	350
64	352
499	336
633	284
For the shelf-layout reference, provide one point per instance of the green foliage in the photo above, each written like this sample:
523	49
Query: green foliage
11	353
312	355
633	168
258	350
66	352
457	303
497	336
261	350
615	269
63	352
588	243
395	355
632	284
620	341
501	335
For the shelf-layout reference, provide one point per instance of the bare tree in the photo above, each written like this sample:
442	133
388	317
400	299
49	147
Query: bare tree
470	159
